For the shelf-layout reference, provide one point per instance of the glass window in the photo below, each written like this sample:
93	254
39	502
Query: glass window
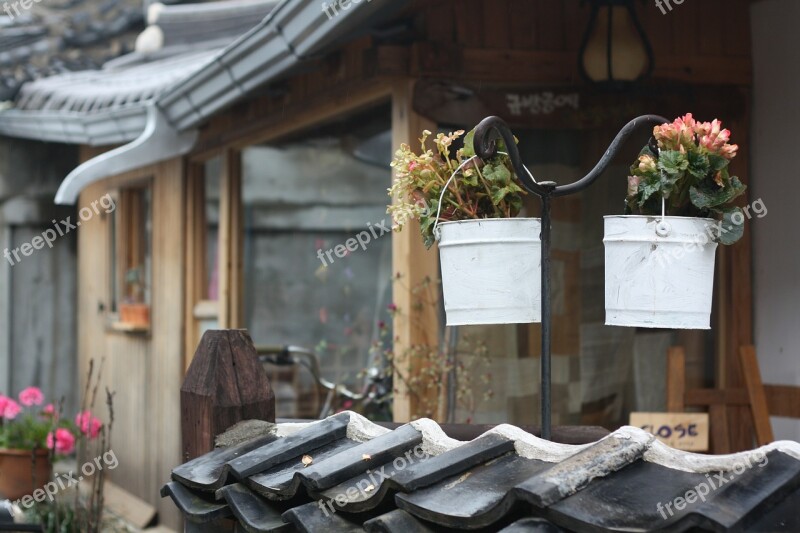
317	256
211	186
130	231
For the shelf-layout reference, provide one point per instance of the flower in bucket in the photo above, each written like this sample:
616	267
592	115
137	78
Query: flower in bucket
479	189
30	423
686	164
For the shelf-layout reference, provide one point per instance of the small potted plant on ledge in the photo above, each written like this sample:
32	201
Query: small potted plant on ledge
660	255
133	312
490	260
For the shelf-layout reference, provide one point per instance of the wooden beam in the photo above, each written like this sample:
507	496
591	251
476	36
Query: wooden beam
720	432
739	279
709	397
255	127
195	253
676	379
230	242
435	60
783	400
755	390
411	261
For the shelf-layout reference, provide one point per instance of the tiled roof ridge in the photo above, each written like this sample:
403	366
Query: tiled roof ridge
436	442
415	476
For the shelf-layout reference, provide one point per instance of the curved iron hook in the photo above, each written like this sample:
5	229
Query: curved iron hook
492	128
486	135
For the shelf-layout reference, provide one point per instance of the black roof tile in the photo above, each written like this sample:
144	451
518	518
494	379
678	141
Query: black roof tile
414	479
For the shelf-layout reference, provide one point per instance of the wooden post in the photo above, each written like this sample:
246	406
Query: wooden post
755	391
224	384
676	379
412	262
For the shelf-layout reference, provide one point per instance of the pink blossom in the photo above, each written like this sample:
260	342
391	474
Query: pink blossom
728	151
49	409
88	424
412	165
11	409
64	441
31	396
633	185
679	133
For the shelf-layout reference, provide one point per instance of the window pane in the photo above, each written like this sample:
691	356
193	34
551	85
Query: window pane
211	180
305	202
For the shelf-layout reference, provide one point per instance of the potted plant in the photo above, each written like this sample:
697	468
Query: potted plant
490	260
30	435
660	255
132	310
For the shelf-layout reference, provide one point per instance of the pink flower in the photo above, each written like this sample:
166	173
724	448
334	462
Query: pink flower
31	396
49	409
11	409
679	133
88	424
728	151
633	185
412	165
64	441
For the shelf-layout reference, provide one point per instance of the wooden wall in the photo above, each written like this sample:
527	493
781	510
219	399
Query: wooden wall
144	370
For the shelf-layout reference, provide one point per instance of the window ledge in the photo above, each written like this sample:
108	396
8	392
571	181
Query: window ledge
124	327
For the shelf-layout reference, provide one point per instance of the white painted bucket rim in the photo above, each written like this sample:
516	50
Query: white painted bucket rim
658	217
515	219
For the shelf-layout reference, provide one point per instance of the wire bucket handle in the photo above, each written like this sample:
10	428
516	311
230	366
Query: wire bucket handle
437	233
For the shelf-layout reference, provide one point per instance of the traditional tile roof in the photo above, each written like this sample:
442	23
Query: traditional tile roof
59	36
347	474
180	40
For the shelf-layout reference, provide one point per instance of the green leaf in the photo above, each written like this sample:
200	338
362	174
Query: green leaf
717	162
648	187
727	231
496	173
705	197
499	194
469	144
699	164
673	162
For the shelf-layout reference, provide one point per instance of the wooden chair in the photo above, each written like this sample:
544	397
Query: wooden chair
763	400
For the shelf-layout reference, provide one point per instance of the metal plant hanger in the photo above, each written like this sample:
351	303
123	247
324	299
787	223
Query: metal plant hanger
487	132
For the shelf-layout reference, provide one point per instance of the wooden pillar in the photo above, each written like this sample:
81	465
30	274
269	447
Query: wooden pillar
410	260
224	384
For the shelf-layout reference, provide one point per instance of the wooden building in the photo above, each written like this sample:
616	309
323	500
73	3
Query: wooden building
233	163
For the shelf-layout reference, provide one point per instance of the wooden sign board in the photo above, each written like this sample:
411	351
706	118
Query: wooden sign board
682	431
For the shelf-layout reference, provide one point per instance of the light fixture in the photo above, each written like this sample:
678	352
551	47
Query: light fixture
614	50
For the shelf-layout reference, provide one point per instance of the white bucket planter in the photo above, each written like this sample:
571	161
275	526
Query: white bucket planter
659	272
491	271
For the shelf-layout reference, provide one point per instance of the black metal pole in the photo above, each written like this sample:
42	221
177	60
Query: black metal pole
546	314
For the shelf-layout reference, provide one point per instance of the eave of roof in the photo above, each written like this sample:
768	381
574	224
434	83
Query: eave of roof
114	126
294	31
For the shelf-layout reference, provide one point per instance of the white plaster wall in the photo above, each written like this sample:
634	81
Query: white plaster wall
775	141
